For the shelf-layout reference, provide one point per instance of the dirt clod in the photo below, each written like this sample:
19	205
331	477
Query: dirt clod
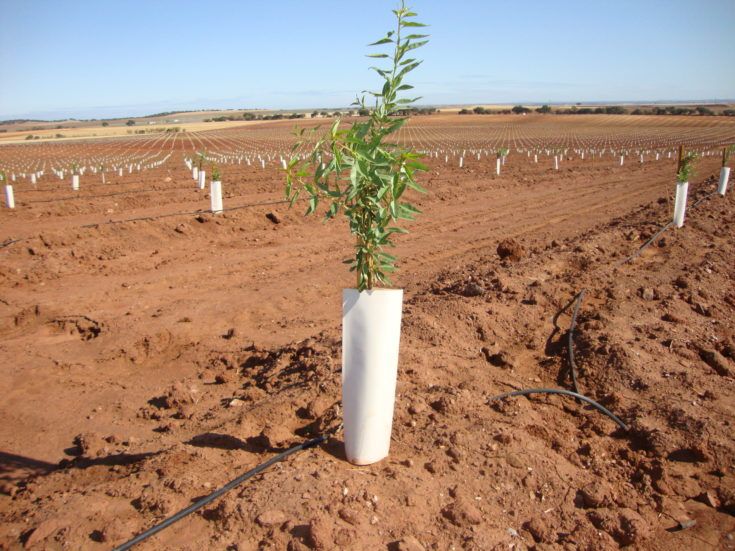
510	249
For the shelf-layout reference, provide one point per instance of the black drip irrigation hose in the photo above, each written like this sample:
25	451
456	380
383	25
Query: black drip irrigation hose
703	199
217	493
590	401
74	197
570	340
646	244
9	242
200	211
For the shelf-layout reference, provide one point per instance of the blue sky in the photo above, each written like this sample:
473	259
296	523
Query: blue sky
103	58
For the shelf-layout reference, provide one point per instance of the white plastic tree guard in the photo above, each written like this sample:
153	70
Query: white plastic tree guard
195	173
33	179
724	177
371	334
461	162
680	204
9	197
202	179
75	182
556	162
622	160
215	194
497	166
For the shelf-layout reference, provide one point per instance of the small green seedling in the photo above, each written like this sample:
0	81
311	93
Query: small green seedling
365	174
686	166
502	152
215	173
726	153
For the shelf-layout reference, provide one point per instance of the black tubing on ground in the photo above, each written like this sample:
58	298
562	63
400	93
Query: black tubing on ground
185	213
703	199
570	340
561	391
647	243
217	493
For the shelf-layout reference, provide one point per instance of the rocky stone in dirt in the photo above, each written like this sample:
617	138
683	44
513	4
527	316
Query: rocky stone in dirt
45	529
444	405
681	282
497	358
117	531
91	445
86	328
646	293
409	543
416	408
627	527
541	529
275	436
181	395
274	217
472	289
319	536
319	405
350	516
709	499
223	377
462	512
596	494
510	249
650	437
671	318
727	499
151	500
273	517
633	529
716	361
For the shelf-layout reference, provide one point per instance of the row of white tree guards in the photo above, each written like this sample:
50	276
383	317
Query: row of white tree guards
272	147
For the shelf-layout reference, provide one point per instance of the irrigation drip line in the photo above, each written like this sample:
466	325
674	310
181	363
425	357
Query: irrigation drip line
645	245
9	242
73	197
703	199
217	493
561	391
199	211
570	340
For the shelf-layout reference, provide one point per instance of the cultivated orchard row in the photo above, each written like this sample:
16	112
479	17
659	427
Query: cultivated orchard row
531	144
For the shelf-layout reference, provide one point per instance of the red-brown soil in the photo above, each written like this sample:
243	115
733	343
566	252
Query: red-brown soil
147	363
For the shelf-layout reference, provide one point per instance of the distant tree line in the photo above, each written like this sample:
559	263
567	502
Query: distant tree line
257	117
315	114
699	110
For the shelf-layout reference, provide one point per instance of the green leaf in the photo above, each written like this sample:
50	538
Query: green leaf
385	40
364	172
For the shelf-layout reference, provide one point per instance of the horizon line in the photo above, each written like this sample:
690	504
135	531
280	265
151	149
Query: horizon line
27	117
